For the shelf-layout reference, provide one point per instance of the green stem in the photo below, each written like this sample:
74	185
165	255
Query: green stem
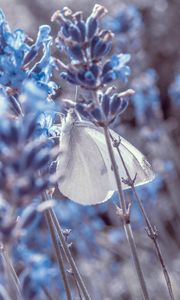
126	217
58	254
152	233
69	256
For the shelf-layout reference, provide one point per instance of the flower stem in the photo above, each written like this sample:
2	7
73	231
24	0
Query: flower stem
47	293
126	217
58	254
152	231
14	285
69	256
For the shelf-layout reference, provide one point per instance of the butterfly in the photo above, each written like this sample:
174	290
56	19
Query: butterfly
84	168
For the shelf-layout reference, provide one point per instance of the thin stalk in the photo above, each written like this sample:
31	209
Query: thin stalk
14	285
69	256
76	282
152	231
4	293
47	293
126	217
77	285
78	289
58	254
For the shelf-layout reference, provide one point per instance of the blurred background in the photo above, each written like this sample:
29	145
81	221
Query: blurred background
149	31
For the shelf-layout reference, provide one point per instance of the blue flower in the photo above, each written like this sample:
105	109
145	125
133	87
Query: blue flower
128	19
174	90
151	190
34	98
23	156
17	58
107	109
86	45
7	221
39	271
42	70
127	25
146	100
118	63
4	28
43	37
116	68
46	125
3	102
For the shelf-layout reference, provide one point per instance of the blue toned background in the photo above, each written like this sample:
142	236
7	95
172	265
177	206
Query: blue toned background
149	31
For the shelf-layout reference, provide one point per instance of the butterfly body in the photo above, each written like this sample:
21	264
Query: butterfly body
84	166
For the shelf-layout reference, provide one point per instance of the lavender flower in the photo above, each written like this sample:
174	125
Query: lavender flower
8	222
24	161
127	19
39	272
109	106
127	25
86	47
174	90
17	61
146	99
3	102
33	99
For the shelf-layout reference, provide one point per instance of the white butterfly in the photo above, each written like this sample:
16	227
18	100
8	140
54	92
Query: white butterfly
84	167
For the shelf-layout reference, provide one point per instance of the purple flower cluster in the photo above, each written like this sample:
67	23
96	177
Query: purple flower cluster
110	105
24	161
18	61
86	45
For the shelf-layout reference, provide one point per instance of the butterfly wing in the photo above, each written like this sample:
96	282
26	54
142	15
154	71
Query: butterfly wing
136	163
82	169
134	160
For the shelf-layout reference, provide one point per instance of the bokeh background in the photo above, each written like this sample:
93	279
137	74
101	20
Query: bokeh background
149	30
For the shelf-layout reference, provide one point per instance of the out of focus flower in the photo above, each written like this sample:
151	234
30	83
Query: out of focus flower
4	293
146	100
151	190
3	102
86	46
174	90
127	25
127	19
24	161
8	221
32	99
39	272
70	212
46	124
